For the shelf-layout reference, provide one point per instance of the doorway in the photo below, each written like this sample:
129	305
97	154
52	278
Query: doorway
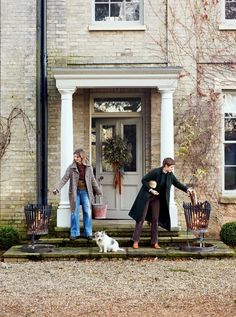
130	129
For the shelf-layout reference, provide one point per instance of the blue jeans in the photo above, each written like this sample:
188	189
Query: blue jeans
82	198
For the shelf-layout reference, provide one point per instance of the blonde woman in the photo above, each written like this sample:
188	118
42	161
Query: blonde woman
81	192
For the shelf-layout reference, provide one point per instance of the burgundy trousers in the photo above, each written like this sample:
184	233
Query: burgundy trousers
154	205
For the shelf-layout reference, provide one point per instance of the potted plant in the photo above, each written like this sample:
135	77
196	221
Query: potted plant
117	153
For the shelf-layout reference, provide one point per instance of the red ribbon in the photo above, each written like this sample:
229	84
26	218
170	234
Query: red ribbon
117	177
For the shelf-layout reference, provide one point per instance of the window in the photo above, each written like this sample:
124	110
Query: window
228	14
230	143
130	104
118	13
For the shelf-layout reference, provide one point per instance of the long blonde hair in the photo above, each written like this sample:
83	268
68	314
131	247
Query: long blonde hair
82	154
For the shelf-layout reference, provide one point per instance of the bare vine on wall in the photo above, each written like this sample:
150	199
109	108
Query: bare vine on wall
6	124
194	42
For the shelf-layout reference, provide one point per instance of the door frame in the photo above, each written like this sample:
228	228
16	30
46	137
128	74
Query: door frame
125	116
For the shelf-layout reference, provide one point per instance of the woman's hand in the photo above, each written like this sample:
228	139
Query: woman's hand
153	192
55	191
190	190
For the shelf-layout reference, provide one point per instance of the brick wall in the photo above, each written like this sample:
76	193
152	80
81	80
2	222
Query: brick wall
18	82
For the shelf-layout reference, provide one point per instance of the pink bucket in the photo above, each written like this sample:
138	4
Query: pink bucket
99	211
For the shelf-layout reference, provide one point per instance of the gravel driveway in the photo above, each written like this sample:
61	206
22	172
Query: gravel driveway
119	288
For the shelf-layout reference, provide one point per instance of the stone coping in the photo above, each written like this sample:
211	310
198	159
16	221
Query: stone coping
15	254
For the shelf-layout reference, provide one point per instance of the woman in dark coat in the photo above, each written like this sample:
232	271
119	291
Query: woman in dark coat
152	204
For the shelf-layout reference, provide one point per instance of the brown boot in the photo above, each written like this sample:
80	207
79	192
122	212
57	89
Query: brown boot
155	246
135	245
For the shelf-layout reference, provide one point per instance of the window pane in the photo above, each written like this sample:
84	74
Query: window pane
230	9
230	127
230	178
130	136
117	104
108	131
132	12
230	154
101	12
115	9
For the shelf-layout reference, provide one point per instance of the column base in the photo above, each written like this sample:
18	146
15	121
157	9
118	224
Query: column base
63	216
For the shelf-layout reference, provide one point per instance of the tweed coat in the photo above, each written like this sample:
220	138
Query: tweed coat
143	196
72	174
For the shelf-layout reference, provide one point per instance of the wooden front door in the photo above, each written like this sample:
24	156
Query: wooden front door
131	130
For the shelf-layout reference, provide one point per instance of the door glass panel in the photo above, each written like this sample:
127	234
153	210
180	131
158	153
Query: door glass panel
130	136
108	131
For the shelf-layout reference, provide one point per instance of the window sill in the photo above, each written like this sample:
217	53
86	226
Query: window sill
117	28
227	26
227	200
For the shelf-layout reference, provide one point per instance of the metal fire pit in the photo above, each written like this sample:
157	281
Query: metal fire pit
37	220
197	219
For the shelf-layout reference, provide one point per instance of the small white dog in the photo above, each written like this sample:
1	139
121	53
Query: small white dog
106	243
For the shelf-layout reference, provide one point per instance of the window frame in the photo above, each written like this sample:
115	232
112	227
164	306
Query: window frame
226	24
118	25
226	192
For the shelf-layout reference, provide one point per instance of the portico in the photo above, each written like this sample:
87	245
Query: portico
164	80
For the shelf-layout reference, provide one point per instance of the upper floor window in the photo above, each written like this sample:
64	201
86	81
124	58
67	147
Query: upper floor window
228	14
229	143
117	10
117	14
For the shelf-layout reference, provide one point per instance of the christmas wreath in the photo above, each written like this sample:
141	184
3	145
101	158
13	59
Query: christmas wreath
116	152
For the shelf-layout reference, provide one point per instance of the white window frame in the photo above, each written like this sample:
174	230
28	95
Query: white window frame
118	25
229	193
226	24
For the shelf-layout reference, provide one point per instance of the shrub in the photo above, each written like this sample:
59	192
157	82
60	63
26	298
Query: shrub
9	236
228	233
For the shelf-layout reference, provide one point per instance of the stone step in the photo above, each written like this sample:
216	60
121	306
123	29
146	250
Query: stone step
214	249
115	228
123	241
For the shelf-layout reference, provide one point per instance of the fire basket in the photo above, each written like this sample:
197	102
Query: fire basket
197	219
37	220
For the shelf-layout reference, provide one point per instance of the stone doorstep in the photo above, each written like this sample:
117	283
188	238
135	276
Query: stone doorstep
14	254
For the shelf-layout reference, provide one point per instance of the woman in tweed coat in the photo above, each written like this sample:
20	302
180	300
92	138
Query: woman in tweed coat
81	192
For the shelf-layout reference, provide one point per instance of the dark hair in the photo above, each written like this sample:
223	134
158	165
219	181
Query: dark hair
168	161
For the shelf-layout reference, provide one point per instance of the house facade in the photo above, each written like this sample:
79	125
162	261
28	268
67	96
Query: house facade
158	74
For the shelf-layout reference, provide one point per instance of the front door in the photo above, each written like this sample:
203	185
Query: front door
130	129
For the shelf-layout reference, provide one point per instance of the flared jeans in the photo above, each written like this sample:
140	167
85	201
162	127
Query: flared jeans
82	199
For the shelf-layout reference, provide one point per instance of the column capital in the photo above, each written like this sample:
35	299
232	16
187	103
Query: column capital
67	91
163	90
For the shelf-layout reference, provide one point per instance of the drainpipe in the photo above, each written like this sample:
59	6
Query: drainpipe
42	104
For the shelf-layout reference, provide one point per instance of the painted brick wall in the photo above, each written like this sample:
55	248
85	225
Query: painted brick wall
17	182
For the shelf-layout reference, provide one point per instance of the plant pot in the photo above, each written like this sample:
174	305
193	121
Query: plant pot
99	211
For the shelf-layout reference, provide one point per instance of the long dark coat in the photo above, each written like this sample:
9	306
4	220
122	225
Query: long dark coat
72	174
143	196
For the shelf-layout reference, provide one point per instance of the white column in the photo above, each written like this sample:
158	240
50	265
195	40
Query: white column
167	142
63	212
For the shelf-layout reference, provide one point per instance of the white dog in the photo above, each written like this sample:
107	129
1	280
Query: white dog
106	243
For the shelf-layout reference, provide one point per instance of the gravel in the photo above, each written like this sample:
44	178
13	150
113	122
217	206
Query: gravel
150	287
